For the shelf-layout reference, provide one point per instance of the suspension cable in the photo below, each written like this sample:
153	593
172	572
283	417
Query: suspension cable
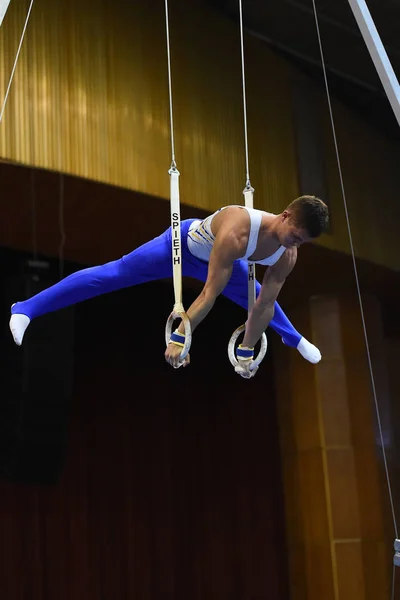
248	184
16	62
171	115
374	392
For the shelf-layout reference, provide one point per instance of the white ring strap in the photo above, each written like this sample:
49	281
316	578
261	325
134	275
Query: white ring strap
176	241
176	238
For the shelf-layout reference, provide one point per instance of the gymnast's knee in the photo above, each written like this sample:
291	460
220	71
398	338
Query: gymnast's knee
117	271
111	274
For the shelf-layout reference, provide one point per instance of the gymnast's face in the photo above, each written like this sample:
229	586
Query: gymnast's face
289	233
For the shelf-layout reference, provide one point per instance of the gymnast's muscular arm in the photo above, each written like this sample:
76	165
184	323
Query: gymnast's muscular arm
228	246
263	309
226	249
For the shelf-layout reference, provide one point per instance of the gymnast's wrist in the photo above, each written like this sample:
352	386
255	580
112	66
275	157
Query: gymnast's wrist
244	353
177	338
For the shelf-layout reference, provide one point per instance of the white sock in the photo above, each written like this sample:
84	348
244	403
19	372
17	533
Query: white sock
309	351
18	325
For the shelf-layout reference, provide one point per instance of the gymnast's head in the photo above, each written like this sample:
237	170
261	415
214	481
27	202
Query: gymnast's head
305	219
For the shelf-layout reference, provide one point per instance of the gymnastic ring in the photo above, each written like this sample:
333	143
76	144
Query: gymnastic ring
188	333
231	349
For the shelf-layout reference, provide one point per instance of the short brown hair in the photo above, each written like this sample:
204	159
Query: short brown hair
311	214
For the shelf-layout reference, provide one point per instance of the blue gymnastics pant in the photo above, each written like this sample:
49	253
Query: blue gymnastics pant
149	262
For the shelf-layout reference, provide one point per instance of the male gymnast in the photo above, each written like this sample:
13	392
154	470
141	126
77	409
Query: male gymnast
215	250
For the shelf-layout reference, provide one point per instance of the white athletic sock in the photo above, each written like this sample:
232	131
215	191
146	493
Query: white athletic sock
309	351
18	325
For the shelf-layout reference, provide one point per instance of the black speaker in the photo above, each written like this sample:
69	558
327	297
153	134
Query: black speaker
36	385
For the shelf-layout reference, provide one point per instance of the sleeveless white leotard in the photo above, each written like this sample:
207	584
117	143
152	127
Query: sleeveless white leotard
201	240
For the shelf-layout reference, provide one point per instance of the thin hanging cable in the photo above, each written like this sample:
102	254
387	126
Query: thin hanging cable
15	62
356	272
171	116
248	184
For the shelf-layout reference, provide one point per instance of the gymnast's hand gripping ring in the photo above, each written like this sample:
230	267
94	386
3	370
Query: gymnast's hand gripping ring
231	349
188	332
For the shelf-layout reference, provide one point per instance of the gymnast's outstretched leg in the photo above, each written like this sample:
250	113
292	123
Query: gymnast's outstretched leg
147	263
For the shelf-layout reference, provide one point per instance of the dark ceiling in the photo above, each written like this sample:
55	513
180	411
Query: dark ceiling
289	28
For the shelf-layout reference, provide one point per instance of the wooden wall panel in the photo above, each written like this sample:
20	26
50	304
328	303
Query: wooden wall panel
349	568
338	521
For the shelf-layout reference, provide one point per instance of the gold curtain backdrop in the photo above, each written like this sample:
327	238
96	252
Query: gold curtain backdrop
90	98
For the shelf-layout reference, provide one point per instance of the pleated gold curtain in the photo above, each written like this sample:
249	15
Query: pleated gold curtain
90	98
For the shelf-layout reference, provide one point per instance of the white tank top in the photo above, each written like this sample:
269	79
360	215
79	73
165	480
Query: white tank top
201	240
